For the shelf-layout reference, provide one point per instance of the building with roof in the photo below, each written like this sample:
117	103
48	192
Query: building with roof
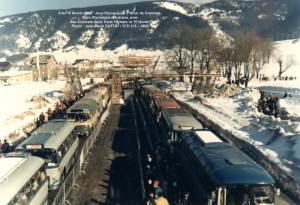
135	61
14	77
45	68
82	67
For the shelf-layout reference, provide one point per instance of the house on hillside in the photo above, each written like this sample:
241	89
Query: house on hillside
5	66
83	67
45	68
135	61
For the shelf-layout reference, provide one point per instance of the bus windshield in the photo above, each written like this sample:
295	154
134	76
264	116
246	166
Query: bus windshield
77	117
258	195
49	155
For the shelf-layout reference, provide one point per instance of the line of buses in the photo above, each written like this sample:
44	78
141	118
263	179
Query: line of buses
216	171
41	162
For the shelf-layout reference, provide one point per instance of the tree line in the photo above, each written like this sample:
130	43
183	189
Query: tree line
238	57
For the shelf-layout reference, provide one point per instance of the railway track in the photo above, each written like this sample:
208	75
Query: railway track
112	172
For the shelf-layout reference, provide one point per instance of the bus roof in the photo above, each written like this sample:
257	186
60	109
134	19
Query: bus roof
50	135
14	173
224	164
166	103
180	120
94	94
102	89
83	104
158	94
151	88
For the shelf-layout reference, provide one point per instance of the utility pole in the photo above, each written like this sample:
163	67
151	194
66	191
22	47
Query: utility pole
38	64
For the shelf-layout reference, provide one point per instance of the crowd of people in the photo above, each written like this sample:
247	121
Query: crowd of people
269	105
59	112
161	178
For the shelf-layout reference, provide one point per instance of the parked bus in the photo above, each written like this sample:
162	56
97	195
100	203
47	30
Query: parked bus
23	180
106	94
163	103
218	173
57	143
96	95
84	113
173	122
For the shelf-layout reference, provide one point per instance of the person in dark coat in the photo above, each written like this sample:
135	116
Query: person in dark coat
5	147
42	118
150	199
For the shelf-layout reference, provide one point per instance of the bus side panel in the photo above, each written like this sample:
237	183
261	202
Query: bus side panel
68	158
197	190
54	174
41	197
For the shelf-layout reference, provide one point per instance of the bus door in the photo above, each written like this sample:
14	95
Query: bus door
221	199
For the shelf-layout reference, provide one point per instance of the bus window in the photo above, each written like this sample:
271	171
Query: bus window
34	182
42	176
71	116
25	194
83	117
47	154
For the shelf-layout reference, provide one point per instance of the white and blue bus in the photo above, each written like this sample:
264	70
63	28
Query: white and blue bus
57	143
23	180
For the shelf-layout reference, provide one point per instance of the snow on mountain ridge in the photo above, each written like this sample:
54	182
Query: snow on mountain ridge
172	6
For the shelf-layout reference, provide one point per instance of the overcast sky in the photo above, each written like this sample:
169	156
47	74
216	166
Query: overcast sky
9	7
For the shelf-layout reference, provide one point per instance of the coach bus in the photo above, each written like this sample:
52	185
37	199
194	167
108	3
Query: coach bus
85	114
106	94
57	143
97	96
23	180
163	103
173	122
218	173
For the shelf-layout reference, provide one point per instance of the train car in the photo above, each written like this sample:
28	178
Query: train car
85	114
57	143
161	103
23	180
173	122
218	173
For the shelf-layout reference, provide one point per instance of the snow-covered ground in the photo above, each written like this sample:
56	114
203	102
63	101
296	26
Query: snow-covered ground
277	139
21	104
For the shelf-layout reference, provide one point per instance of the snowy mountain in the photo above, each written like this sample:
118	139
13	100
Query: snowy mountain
103	27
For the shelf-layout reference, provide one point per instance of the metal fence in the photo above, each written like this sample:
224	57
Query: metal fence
70	181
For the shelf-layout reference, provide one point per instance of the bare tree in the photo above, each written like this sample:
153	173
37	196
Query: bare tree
225	61
177	56
192	47
284	65
207	55
247	57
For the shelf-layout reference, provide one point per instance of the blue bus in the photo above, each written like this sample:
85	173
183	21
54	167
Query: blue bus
218	173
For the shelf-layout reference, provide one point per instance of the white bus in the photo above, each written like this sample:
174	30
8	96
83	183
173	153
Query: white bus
23	180
57	143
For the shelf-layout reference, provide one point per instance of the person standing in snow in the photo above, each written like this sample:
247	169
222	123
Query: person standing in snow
5	147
